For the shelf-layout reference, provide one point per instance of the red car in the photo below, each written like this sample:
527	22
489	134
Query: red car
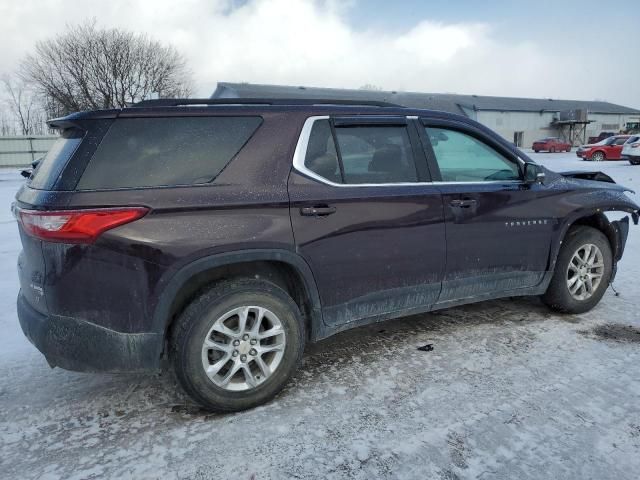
608	149
551	144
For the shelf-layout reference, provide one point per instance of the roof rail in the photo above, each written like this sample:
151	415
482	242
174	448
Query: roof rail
178	102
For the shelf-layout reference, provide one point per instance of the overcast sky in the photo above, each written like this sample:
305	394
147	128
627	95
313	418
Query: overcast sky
564	49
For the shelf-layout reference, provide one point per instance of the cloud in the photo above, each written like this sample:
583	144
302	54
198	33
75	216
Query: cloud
311	42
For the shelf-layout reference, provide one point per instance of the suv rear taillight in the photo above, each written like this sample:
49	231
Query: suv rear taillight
75	226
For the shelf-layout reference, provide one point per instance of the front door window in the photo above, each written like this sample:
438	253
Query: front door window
463	158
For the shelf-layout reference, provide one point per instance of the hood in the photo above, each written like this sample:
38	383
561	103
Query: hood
594	179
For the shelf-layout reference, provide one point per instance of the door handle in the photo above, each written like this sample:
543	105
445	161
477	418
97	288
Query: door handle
463	203
317	211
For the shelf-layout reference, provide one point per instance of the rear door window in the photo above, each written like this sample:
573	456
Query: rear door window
151	152
51	165
376	154
364	154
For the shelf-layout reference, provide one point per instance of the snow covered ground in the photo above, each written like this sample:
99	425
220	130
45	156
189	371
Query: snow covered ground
510	391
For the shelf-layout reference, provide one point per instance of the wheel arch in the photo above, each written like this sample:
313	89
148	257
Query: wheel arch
615	231
284	268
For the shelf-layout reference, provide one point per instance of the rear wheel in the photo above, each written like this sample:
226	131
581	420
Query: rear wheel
237	344
598	156
568	149
552	150
582	272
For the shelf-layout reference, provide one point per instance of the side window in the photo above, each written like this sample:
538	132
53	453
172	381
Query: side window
463	158
620	141
321	157
151	152
376	154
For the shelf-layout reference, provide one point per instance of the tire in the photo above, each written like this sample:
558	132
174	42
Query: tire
537	151
552	150
558	296
634	162
210	307
598	156
568	149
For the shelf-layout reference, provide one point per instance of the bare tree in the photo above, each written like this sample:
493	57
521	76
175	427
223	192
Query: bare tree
23	104
92	68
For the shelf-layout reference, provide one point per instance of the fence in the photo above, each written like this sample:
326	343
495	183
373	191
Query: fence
20	151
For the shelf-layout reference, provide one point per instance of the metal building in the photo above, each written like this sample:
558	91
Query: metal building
519	120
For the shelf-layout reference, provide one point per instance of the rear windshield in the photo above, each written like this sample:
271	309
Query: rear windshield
151	152
49	168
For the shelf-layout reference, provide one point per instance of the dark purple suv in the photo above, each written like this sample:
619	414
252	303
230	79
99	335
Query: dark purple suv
222	237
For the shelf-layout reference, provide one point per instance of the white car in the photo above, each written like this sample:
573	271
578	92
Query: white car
631	149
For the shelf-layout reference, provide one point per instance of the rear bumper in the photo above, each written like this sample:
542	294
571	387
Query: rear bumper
77	345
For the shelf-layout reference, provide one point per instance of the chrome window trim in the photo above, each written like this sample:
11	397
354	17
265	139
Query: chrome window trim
301	151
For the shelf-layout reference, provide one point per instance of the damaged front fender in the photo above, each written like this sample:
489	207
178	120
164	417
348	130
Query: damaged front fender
621	228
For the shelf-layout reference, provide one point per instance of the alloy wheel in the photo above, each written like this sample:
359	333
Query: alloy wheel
585	271
243	348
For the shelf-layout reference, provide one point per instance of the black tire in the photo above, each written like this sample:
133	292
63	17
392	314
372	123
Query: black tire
557	295
195	321
634	162
537	151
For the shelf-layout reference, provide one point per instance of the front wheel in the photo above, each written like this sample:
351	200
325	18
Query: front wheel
598	157
634	162
582	273
237	344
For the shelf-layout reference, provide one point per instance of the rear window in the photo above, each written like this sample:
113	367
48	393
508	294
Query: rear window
49	168
152	152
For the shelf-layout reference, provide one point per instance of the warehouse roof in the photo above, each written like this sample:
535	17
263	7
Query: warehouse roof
461	104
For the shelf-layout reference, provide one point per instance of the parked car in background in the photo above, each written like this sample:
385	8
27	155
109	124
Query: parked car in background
551	144
608	149
600	137
223	237
631	150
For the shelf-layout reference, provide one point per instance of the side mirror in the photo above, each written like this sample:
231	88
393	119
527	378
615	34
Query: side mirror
533	173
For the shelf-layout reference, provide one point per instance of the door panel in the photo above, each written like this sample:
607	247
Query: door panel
498	240
381	249
498	229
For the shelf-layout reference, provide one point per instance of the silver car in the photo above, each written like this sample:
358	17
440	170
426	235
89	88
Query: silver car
631	149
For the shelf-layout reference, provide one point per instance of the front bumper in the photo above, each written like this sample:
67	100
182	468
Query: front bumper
77	345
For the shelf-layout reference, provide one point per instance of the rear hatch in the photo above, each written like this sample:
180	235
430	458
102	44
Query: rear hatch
39	193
